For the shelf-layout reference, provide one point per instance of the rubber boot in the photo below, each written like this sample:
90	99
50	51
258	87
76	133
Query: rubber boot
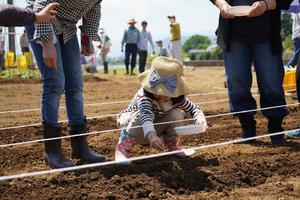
132	72
125	144
80	147
53	155
248	127
127	70
275	126
172	143
105	64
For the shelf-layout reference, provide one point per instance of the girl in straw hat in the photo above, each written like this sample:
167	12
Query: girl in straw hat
162	98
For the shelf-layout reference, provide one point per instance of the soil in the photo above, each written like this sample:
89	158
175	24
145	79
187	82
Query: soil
238	171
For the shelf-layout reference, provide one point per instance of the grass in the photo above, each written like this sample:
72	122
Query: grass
15	73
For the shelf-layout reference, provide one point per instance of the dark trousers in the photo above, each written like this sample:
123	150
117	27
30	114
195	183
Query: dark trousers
143	59
2	53
131	51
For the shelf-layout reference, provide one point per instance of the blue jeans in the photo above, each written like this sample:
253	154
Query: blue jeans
293	60
66	78
269	71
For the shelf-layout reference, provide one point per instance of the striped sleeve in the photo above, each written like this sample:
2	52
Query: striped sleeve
190	108
146	114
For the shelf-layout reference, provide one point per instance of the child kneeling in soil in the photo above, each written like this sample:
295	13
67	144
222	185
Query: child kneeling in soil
162	98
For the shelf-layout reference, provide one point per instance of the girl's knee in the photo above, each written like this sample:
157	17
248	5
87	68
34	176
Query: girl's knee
176	114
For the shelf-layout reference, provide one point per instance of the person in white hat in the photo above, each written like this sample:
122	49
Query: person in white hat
162	98
104	46
131	38
175	38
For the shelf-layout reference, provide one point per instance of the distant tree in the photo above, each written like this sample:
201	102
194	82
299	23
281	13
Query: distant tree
196	42
286	25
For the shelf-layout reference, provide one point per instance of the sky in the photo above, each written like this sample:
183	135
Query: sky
195	17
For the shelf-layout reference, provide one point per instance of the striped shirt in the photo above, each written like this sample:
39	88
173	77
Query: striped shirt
150	109
69	13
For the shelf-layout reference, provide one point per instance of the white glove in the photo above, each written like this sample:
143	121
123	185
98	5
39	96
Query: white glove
202	122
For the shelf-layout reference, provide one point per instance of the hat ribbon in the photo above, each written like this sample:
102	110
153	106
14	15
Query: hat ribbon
169	82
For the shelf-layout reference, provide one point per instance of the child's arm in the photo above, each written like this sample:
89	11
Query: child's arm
146	118
194	111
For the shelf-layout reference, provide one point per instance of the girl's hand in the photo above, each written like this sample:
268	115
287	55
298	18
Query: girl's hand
202	122
155	141
258	9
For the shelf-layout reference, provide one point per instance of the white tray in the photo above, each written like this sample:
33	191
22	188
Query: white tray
239	11
189	130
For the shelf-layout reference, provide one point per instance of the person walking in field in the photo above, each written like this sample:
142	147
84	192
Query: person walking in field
104	46
146	38
175	38
131	40
56	48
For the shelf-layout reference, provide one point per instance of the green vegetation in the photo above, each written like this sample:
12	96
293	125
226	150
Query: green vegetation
286	31
196	42
15	73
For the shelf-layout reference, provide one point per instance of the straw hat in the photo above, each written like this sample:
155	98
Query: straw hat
132	21
164	78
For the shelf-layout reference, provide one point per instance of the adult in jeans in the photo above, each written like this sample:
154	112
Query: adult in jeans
57	52
131	38
143	47
254	39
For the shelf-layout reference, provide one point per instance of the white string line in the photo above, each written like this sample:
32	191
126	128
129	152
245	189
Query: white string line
134	127
115	102
147	157
102	103
101	116
61	121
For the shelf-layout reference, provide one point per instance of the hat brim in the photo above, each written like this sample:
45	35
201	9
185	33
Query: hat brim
160	89
133	22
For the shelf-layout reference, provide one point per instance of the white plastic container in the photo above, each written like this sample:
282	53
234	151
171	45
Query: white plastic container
239	11
189	130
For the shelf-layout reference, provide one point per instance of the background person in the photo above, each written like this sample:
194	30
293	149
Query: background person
2	49
143	47
57	53
24	44
162	51
175	38
249	39
104	46
131	38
